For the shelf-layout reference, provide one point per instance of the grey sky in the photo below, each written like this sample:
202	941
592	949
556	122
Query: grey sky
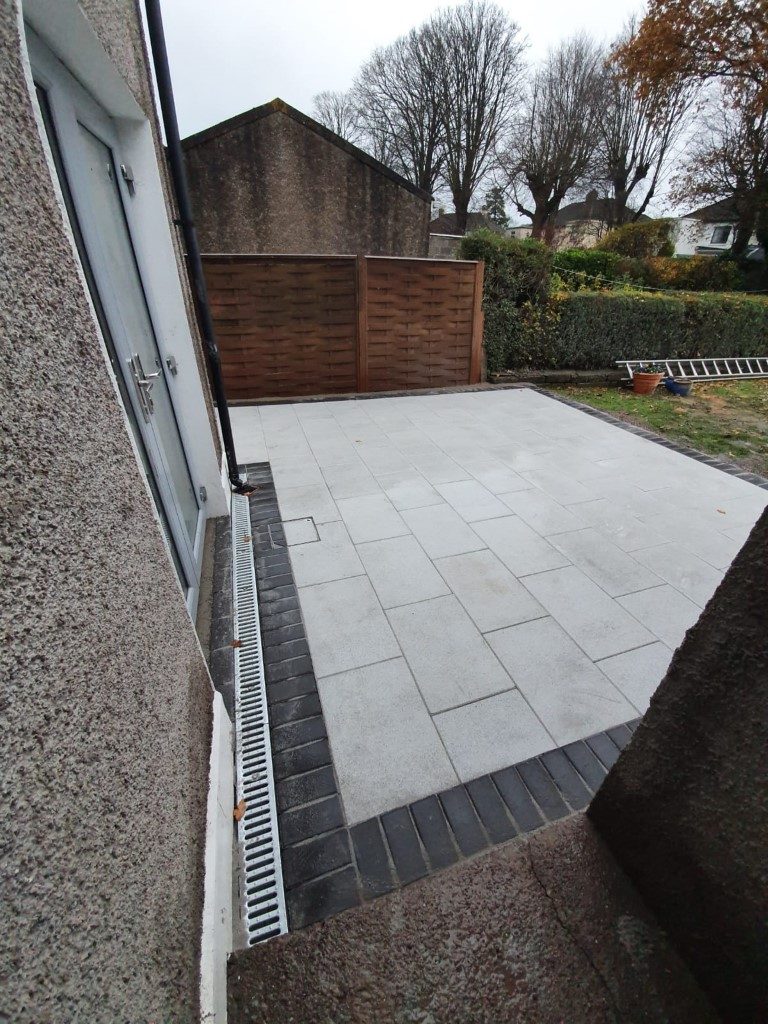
230	55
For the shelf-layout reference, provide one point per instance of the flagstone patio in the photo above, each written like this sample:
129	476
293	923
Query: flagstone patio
484	576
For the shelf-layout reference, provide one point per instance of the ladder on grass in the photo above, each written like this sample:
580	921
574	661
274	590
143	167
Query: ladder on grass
704	369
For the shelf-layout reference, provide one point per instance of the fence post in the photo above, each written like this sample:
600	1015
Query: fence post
362	322
476	345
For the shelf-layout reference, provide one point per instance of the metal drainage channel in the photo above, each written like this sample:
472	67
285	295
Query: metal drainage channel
263	899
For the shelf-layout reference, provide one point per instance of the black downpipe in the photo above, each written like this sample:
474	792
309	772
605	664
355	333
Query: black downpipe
186	222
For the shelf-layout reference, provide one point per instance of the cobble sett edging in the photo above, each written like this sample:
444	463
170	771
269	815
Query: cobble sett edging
328	866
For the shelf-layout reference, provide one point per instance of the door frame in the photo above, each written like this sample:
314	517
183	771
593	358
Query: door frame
70	106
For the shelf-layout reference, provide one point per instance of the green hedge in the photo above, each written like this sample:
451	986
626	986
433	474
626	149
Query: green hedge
591	330
517	273
589	268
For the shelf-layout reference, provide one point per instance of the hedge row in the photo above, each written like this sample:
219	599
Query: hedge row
591	330
594	268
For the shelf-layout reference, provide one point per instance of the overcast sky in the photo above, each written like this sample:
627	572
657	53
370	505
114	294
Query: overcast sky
230	55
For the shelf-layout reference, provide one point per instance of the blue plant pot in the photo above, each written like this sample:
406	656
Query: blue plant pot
677	387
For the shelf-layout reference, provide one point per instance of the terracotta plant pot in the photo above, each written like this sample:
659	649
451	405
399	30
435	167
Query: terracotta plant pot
645	383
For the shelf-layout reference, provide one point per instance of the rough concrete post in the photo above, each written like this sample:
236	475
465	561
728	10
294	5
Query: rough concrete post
685	808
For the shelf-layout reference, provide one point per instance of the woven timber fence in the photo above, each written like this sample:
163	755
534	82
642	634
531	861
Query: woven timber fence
310	325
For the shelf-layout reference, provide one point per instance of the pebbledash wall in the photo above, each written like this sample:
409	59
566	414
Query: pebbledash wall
105	711
685	808
272	180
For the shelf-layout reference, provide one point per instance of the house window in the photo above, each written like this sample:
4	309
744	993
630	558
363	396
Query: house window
720	234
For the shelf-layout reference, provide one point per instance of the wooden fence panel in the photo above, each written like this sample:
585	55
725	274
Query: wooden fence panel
421	315
284	325
309	325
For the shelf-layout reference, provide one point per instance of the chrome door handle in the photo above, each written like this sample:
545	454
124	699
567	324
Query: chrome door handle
144	383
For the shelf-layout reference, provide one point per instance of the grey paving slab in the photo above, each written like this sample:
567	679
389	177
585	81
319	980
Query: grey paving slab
300	531
309	500
332	557
519	547
638	673
611	568
569	694
598	624
371	517
618	524
400	571
449	658
441	531
382	459
386	749
296	472
542	513
350	479
693	577
687	529
438	469
495	475
491	734
346	627
408	489
559	486
666	612
488	590
472	501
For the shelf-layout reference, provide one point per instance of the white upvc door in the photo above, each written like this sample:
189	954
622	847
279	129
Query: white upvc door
99	192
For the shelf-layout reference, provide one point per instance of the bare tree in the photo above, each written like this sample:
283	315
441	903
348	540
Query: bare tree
338	111
638	130
550	149
397	97
728	159
478	66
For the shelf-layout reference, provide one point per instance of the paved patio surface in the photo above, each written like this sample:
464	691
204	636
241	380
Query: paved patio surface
485	576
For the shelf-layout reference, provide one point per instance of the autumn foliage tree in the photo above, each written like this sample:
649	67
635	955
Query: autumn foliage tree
698	40
705	42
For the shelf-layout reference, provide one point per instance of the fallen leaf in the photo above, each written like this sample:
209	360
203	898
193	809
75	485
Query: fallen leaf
239	811
237	643
721	511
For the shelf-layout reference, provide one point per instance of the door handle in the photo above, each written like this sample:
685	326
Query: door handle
144	383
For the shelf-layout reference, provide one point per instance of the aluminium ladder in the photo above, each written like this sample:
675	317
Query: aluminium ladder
740	368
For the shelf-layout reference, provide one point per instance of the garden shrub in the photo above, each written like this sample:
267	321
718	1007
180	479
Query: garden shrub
591	330
696	273
594	268
640	239
516	273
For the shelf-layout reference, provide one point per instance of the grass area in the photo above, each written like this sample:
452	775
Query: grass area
729	420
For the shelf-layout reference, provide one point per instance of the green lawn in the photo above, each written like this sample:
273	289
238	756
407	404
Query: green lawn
729	420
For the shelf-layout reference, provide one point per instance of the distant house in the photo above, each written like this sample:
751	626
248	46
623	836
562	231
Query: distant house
578	225
583	224
708	231
445	236
272	180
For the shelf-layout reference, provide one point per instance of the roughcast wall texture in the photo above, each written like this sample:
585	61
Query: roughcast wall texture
272	181
105	701
685	808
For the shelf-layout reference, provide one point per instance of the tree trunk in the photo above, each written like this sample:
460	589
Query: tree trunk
461	204
539	222
761	228
741	235
618	205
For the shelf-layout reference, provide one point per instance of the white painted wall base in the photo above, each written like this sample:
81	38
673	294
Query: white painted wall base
216	942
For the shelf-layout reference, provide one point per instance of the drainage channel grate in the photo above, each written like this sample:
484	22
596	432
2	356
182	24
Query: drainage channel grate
263	898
